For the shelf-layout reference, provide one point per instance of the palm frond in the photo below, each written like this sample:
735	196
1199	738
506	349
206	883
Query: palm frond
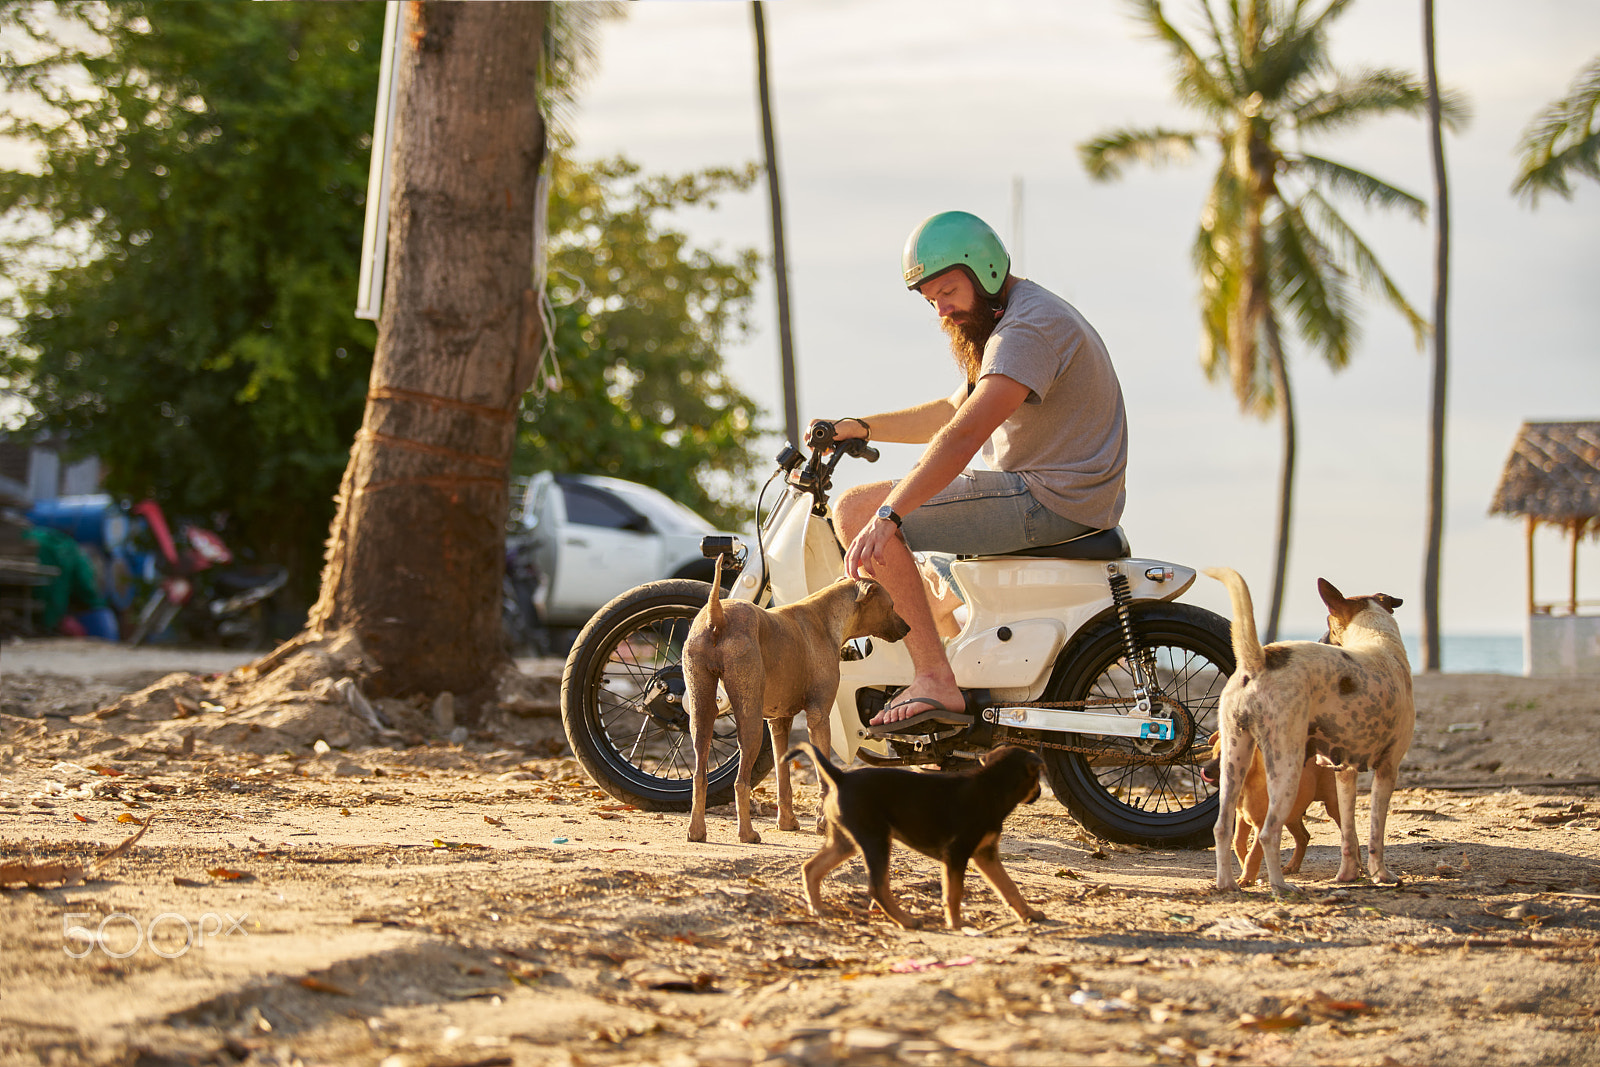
1368	270
1561	142
1233	292
1291	50
1314	288
1197	84
1363	94
1106	155
571	56
1366	188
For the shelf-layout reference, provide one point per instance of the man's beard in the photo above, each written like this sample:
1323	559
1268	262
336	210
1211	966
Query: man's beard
968	332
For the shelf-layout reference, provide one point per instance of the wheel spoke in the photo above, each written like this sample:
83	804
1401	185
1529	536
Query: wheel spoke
636	702
1185	657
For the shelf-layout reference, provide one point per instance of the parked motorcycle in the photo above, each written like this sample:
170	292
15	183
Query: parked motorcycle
1077	650
215	601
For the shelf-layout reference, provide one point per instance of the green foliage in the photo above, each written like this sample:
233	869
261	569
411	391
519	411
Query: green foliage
640	320
200	195
185	261
1562	142
1271	242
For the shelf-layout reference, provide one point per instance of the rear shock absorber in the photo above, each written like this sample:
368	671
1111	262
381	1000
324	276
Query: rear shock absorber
1122	598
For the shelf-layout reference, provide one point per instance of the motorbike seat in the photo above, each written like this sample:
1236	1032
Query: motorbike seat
1096	544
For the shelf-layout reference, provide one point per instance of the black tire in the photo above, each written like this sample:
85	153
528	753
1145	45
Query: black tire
1167	805
622	708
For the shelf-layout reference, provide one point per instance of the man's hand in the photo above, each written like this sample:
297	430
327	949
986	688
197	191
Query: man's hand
843	429
866	552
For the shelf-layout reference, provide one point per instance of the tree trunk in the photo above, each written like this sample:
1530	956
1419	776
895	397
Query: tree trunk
1431	660
780	265
416	552
1280	383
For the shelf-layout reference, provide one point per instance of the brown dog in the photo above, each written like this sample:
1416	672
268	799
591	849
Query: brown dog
951	816
1347	703
1316	783
772	664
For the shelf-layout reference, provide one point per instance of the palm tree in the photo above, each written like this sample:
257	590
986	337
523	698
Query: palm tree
1441	356
1561	142
1272	249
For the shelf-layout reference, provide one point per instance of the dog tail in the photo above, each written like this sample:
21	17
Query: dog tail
1247	652
822	763
714	602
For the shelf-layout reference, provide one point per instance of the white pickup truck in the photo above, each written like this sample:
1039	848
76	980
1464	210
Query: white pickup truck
579	540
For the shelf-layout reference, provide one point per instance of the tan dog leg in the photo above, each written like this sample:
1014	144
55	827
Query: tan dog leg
1280	804
1383	779
1235	763
819	732
779	728
1349	850
1247	846
701	701
752	729
1302	838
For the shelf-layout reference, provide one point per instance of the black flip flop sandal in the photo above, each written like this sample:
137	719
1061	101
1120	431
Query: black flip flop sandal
937	713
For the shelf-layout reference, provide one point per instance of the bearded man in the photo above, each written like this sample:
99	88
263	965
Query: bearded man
1041	401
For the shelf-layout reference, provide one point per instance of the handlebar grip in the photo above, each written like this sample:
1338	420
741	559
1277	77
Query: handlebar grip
821	435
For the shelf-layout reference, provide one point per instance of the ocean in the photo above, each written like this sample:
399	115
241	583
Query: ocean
1464	653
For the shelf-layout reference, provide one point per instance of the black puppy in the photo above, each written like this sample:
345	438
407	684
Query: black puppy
951	816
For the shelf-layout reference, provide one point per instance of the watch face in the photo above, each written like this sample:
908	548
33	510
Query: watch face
886	512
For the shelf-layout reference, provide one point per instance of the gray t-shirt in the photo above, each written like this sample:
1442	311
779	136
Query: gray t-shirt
1069	439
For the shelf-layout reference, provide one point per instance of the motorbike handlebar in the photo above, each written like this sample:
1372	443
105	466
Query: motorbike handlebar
821	438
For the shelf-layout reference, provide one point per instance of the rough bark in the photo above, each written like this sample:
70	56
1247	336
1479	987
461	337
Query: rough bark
415	554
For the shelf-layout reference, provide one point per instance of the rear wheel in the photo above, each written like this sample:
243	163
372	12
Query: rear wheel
622	702
1166	804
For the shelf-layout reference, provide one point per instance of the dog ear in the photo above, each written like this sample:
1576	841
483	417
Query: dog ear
1387	602
1341	609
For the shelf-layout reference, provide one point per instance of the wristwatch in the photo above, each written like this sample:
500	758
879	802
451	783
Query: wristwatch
886	512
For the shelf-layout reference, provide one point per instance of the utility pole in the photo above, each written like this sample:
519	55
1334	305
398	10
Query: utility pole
780	265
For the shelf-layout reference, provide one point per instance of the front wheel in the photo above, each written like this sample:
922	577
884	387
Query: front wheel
622	702
1166	804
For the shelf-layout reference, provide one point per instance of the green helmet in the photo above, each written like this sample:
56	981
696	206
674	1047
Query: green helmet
954	239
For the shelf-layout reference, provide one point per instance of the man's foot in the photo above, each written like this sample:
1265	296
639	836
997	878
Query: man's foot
912	710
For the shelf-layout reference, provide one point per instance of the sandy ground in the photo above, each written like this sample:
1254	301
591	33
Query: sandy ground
478	901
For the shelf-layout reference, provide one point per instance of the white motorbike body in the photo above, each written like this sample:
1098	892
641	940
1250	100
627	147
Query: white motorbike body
1021	612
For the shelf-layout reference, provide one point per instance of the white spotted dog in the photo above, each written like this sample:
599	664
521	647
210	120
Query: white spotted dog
1347	703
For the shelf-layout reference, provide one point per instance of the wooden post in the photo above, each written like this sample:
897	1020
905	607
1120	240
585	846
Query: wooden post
1572	570
1532	524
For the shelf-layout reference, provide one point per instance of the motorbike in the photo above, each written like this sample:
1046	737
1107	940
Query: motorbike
1079	651
217	604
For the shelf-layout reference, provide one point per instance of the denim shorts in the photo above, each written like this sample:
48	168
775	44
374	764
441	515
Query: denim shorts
984	512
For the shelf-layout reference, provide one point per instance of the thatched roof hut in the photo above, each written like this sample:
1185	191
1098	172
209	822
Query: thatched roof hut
1553	478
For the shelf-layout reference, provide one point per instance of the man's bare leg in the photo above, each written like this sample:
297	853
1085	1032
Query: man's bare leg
934	680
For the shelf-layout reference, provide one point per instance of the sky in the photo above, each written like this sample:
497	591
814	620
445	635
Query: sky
888	111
